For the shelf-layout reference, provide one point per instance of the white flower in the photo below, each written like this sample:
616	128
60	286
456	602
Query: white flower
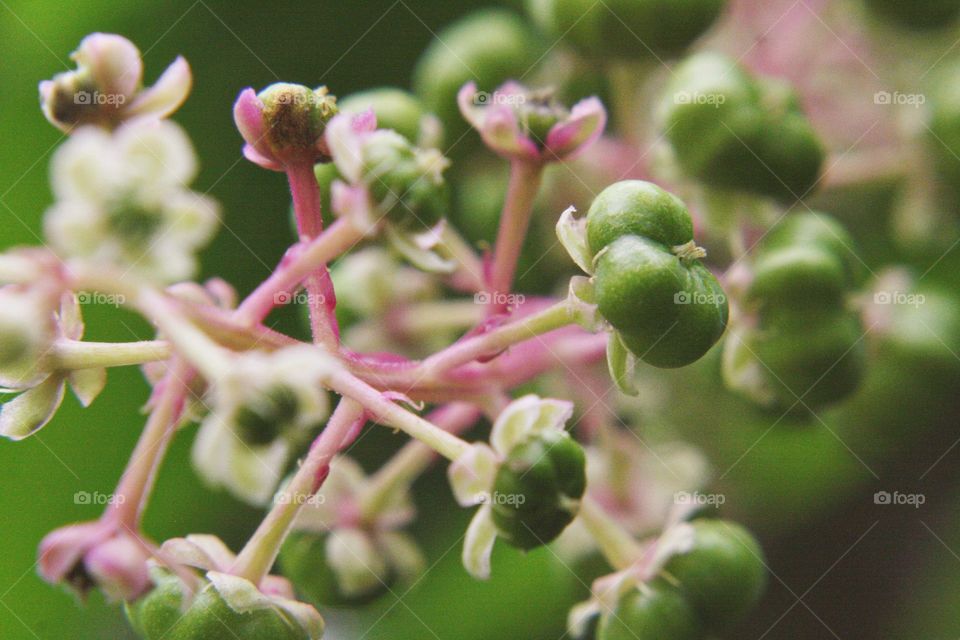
363	546
122	199
28	328
264	408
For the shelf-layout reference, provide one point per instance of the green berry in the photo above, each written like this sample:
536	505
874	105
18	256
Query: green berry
160	615
638	208
654	611
797	279
819	230
821	362
395	109
632	29
487	47
733	131
303	559
537	489
917	14
669	312
723	575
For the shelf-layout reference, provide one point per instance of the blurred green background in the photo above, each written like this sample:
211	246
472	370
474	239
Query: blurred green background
843	567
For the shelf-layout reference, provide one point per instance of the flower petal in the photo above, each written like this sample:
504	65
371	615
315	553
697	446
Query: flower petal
167	93
87	384
572	233
248	116
586	123
472	474
470	111
31	410
355	560
525	417
501	132
202	551
478	545
114	62
61	549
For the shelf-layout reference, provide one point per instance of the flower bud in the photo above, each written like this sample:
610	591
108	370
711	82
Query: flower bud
637	29
651	610
537	489
723	575
96	554
284	124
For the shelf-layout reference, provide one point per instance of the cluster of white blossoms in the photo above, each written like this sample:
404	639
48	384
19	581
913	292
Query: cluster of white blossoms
122	199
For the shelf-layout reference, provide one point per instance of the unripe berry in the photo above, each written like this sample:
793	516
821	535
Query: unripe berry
635	29
638	208
395	109
653	611
819	230
304	560
650	284
537	489
733	131
918	14
800	279
723	576
487	47
163	615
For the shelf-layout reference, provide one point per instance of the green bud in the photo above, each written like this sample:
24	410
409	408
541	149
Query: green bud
487	47
636	29
637	208
653	611
723	576
668	311
537	489
295	117
918	14
161	615
733	131
395	109
303	559
405	181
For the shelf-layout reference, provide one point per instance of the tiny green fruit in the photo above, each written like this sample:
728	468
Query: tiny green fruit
653	611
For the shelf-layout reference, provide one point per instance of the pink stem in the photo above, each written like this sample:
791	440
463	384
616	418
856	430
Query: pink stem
138	479
525	179
306	207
